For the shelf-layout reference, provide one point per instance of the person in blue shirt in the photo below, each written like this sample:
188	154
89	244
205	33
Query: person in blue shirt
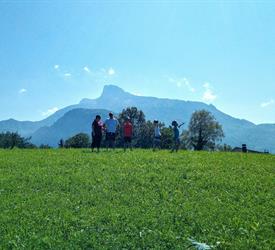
111	125
176	136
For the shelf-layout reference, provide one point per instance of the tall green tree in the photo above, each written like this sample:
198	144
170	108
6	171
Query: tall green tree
138	121
145	139
203	131
166	137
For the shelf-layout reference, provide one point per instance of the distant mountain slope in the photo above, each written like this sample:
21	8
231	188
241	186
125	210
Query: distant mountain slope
73	122
27	128
237	131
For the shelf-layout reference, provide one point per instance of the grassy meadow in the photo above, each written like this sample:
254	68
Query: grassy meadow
75	199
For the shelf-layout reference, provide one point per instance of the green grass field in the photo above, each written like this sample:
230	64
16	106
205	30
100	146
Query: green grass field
73	199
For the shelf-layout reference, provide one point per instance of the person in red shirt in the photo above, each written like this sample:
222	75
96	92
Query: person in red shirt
128	133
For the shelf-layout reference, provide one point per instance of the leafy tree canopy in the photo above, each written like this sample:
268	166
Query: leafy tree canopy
13	139
203	131
80	140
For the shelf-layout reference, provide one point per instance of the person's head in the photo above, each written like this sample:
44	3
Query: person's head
174	123
111	115
156	123
98	117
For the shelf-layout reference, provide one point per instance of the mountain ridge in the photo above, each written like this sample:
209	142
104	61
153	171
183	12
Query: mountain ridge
237	131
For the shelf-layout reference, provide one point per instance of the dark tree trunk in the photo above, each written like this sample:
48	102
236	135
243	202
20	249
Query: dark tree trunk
200	142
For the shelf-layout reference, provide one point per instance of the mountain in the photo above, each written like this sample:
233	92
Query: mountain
27	128
237	131
73	122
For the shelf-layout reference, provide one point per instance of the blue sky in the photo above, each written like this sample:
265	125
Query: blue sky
220	52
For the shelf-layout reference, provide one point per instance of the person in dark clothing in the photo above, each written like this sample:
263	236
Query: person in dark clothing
96	133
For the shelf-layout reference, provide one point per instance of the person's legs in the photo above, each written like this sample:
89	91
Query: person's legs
173	147
93	143
155	144
177	145
125	144
110	143
107	141
98	142
113	138
158	143
130	143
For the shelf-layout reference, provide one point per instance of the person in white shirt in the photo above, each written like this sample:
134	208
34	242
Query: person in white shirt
111	126
157	135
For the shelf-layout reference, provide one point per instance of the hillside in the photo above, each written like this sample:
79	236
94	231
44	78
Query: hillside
237	131
25	128
73	199
73	122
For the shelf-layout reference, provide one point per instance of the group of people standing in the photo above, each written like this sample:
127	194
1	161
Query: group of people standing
111	126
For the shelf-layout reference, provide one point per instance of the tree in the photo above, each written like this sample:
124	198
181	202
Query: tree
80	140
138	121
13	139
145	139
203	131
166	137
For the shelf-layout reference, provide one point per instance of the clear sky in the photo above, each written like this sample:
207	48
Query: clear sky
54	53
